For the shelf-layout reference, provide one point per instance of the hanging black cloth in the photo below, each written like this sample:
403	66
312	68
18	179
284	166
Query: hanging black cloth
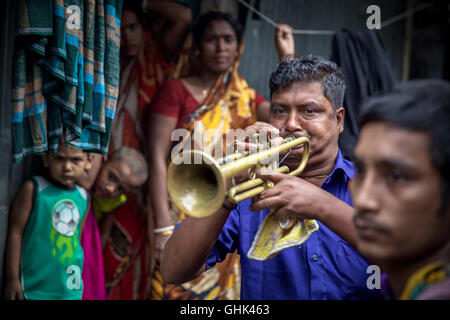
367	71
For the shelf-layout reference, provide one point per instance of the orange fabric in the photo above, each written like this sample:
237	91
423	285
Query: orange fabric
225	287
130	138
230	104
149	72
175	100
127	254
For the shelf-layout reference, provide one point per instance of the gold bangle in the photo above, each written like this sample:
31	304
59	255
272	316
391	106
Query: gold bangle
164	233
168	228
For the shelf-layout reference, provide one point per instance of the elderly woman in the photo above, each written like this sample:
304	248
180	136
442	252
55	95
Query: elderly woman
147	59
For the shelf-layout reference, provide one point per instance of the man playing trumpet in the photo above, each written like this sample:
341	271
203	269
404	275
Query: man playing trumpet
306	101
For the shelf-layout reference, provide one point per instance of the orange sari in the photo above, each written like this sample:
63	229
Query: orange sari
229	105
127	253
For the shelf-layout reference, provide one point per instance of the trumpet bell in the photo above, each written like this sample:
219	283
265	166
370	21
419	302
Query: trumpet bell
198	186
196	189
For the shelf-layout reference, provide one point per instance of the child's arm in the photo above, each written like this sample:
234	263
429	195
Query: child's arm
20	212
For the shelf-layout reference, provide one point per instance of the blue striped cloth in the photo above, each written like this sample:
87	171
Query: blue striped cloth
65	74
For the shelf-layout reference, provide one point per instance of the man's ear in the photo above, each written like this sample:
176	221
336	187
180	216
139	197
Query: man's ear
340	114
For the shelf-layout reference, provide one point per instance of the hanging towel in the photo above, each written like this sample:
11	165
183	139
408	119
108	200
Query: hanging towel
65	74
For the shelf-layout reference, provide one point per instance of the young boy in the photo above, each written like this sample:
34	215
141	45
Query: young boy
44	255
126	170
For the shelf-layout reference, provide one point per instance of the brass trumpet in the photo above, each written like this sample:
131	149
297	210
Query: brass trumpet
200	189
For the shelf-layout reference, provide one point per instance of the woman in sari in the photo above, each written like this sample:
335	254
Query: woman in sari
146	61
216	96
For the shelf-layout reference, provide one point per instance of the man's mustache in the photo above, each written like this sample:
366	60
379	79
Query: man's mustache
362	220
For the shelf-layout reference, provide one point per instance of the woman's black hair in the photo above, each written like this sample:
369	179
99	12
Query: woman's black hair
134	6
204	20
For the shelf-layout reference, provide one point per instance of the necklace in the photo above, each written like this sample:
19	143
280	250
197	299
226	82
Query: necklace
317	177
320	176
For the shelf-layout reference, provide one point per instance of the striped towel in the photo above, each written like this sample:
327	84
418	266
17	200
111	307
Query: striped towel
65	74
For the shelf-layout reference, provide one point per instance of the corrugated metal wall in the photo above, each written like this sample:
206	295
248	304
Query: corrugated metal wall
260	56
6	41
11	175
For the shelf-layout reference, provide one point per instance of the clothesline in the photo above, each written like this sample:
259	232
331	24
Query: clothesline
404	15
331	32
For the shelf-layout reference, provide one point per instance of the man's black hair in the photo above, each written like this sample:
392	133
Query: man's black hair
136	7
204	20
418	105
311	69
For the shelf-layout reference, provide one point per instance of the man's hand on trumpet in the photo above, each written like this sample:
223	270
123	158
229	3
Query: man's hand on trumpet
290	197
246	143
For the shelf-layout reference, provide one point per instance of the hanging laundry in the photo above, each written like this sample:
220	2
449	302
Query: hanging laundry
65	74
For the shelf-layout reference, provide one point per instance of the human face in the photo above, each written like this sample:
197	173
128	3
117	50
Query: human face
396	194
66	165
218	47
115	178
132	35
303	111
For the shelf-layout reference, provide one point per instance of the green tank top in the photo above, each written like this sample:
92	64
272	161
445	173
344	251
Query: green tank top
52	256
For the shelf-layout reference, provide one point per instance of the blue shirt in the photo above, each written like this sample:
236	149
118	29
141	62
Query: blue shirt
323	267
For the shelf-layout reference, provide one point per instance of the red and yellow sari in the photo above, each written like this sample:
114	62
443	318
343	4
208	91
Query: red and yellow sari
231	104
127	252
